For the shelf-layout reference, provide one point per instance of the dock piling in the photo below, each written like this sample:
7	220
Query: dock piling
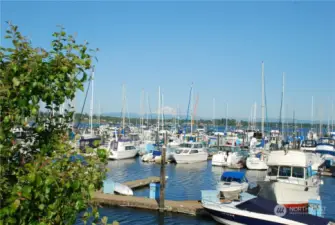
162	183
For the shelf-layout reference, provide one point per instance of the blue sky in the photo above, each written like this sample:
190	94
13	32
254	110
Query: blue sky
217	45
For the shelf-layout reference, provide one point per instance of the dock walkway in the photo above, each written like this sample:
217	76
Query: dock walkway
185	207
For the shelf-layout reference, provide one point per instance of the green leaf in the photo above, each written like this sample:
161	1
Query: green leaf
41	206
75	185
16	204
16	82
26	192
31	177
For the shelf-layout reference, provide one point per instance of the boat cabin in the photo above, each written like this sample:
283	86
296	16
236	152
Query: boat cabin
190	148
289	172
309	144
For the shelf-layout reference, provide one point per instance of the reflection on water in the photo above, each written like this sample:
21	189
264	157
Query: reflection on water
185	182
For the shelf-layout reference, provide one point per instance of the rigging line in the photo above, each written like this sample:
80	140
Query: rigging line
82	109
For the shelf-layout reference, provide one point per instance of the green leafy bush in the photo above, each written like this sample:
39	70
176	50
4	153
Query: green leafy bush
43	181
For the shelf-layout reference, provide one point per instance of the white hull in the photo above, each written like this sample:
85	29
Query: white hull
291	194
230	212
126	154
254	163
227	222
231	161
122	189
232	187
190	158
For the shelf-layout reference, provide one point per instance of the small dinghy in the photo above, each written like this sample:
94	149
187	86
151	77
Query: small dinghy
122	189
233	181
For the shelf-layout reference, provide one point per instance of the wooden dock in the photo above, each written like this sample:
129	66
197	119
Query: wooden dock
186	207
142	182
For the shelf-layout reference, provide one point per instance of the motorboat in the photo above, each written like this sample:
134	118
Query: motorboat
290	180
190	152
230	156
121	149
232	181
257	161
250	209
308	145
326	147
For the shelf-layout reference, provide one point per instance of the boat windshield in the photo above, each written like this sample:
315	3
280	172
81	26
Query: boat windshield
185	145
230	149
231	179
326	141
186	151
309	143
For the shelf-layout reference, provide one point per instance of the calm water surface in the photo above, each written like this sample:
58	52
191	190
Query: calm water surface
185	182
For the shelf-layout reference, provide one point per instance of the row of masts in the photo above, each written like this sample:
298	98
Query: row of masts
160	110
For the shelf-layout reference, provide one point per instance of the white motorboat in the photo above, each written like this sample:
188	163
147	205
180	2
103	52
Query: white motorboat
232	181
290	179
121	149
190	152
326	147
308	146
250	209
257	161
230	156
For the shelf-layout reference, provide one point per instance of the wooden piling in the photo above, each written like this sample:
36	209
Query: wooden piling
162	185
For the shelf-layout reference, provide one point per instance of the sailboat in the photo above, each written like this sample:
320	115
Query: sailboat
257	160
119	146
90	139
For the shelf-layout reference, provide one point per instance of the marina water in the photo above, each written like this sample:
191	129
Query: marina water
185	182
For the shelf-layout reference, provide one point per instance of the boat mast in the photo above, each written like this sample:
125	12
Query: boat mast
162	111
333	115
159	108
192	105
263	101
214	113
282	110
312	121
92	102
226	128
99	119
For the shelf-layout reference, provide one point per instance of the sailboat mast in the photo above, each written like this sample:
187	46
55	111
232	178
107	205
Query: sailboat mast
226	128
214	113
263	101
99	119
283	100
159	107
312	122
92	102
192	105
333	115
162	111
123	107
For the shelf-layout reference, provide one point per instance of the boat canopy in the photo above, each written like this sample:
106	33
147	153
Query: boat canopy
230	176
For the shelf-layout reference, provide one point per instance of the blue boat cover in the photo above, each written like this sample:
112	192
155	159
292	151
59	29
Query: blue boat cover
264	206
232	176
156	153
